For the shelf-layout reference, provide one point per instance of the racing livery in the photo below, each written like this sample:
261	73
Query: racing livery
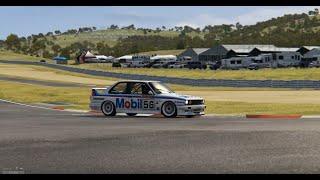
144	97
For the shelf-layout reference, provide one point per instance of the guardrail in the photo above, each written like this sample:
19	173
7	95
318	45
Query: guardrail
296	84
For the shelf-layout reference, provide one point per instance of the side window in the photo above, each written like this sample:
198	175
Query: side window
119	89
280	57
140	89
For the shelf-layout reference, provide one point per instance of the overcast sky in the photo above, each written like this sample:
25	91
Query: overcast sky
25	21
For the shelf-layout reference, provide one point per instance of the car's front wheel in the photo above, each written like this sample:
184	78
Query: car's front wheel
108	108
169	109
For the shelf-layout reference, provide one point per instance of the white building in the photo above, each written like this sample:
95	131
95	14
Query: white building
138	61
236	62
286	59
124	59
164	58
263	60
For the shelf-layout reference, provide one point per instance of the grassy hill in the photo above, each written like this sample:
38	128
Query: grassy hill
287	30
291	30
110	36
9	55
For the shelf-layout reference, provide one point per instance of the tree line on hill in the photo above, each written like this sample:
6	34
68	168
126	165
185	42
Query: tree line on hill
292	30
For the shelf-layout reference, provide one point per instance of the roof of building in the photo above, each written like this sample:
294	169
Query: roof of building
246	48
313	53
60	58
199	50
164	57
286	49
125	57
89	55
311	47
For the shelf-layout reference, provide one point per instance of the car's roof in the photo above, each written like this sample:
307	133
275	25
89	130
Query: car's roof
145	81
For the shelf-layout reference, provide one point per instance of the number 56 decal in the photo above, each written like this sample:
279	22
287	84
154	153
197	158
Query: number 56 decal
148	104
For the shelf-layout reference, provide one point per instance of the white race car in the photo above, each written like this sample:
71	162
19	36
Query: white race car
144	97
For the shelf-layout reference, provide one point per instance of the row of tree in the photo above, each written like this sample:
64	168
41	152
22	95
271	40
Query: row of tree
289	30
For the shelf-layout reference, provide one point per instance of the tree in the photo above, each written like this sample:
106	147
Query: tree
103	48
46	54
57	32
65	52
129	27
2	43
13	42
40	35
49	34
239	26
56	48
114	26
38	47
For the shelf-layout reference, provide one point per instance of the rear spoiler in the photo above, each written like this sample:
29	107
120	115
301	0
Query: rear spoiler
99	91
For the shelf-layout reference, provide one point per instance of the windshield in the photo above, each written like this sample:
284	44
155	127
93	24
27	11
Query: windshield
160	88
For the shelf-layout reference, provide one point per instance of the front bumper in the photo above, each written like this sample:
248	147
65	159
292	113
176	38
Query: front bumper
191	110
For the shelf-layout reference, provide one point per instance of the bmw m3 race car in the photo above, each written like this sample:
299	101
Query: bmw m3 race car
144	97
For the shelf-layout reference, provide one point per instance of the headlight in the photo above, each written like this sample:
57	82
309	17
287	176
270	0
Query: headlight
187	102
203	101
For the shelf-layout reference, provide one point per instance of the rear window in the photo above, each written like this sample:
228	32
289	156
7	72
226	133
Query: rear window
119	89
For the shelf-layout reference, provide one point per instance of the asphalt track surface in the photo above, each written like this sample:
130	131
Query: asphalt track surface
49	141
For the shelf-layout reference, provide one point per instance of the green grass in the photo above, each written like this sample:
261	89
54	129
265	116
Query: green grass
79	98
242	108
8	55
262	74
25	93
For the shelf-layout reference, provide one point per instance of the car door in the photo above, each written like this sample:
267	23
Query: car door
144	96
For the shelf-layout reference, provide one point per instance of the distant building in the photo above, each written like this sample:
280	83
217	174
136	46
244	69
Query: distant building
271	49
304	49
164	58
124	59
286	59
224	51
313	55
235	63
192	53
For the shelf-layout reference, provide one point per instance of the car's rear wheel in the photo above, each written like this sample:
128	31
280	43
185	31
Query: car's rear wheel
108	108
169	109
131	114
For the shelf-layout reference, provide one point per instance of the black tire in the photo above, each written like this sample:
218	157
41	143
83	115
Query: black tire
108	108
169	109
131	114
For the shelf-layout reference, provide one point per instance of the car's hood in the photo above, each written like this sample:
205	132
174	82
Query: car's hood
180	96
